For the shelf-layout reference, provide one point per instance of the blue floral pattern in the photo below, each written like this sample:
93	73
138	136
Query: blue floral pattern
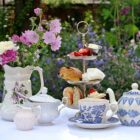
128	100
131	123
130	113
133	93
92	114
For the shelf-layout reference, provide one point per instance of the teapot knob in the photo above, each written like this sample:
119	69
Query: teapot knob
134	86
44	90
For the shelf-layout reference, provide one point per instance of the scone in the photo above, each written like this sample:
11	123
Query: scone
77	95
71	96
70	74
68	95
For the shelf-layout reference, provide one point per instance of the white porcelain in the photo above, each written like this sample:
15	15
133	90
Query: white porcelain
16	79
93	74
49	106
129	107
25	119
95	110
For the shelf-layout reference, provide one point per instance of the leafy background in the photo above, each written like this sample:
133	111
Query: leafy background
113	27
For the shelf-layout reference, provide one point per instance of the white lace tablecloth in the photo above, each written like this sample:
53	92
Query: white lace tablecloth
62	129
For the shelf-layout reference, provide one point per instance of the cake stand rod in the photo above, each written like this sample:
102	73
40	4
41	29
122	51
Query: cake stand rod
84	63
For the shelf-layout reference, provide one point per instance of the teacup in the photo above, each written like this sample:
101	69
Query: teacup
94	110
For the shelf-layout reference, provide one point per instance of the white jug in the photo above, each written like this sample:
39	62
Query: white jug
17	80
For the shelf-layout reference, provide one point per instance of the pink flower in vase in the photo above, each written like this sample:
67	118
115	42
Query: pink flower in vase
15	38
55	26
8	56
29	37
49	37
56	44
37	11
32	36
24	40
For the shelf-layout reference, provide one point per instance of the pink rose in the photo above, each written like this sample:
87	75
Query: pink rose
7	57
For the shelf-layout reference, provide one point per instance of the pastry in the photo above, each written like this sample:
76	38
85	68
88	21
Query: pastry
77	95
94	94
93	74
70	74
71	96
68	95
94	47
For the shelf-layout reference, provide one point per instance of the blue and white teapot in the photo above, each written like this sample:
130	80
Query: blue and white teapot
129	107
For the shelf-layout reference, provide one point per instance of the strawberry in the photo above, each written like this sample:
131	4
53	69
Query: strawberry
85	51
77	54
92	90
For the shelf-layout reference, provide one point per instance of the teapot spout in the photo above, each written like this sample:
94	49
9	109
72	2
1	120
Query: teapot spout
111	94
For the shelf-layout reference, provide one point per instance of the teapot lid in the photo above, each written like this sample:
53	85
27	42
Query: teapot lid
43	97
134	90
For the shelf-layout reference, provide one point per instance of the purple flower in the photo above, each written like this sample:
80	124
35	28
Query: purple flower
55	26
48	60
8	56
15	38
24	40
80	45
56	44
49	37
40	28
38	11
60	61
125	10
31	36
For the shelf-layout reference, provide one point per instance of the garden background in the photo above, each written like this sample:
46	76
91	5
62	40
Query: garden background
113	24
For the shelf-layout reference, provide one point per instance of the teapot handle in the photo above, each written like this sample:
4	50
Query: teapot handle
40	71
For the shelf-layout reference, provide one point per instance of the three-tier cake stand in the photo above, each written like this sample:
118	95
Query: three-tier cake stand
84	59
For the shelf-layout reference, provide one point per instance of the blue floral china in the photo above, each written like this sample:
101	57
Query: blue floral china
111	122
129	107
77	119
95	111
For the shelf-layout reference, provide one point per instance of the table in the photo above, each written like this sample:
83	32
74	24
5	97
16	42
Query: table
62	129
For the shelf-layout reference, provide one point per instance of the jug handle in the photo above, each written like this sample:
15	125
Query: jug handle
40	71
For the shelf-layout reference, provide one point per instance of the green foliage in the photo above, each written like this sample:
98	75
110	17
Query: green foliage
131	29
137	51
119	75
61	2
111	38
21	18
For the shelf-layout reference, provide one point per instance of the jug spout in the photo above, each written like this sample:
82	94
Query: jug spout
111	94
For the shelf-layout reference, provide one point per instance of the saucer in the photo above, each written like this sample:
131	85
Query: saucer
113	121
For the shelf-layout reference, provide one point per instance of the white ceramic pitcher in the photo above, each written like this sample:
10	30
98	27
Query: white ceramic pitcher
17	79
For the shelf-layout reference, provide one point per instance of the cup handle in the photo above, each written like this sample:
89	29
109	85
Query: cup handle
113	109
40	71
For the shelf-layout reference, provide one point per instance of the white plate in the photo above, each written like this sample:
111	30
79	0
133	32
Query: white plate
113	121
93	57
85	82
